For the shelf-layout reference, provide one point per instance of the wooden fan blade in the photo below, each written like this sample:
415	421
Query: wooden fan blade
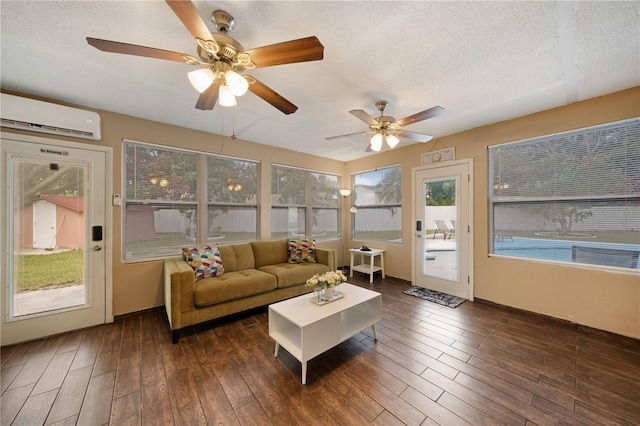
419	137
428	113
344	136
364	116
208	98
134	49
288	52
188	14
266	93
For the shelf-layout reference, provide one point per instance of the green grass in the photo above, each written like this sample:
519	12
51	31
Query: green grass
44	271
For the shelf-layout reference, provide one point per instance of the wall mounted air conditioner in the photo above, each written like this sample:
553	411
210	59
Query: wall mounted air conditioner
36	116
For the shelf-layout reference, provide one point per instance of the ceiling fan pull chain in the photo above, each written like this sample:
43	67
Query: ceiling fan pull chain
222	132
233	124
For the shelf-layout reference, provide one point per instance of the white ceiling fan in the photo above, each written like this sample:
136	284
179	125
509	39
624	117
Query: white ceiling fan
387	128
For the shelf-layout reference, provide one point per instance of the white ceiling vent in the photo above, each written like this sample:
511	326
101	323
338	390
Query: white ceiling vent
36	116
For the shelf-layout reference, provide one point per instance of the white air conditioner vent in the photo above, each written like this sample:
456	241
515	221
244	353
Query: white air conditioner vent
37	116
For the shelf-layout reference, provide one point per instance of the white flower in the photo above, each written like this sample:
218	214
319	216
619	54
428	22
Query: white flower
331	278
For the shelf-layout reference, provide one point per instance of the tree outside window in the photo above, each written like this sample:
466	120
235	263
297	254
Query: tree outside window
304	204
378	198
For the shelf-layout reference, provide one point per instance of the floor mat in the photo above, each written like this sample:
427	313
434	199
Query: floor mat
435	297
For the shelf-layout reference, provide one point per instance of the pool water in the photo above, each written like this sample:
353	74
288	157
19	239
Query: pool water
557	250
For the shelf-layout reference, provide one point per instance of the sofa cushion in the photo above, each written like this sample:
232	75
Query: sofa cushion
237	257
301	251
289	274
233	285
205	263
269	252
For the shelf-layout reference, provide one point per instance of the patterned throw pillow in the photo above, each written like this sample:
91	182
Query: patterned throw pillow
205	264
301	251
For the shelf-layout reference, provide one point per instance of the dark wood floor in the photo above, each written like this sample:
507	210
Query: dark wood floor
476	364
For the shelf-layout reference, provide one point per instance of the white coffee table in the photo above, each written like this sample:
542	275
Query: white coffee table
306	330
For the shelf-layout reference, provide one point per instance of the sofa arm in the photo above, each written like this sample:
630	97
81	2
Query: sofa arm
327	257
179	290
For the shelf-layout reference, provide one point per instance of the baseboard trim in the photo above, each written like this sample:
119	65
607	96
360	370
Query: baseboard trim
130	315
562	323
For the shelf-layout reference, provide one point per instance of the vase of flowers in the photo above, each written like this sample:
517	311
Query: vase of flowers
328	292
326	282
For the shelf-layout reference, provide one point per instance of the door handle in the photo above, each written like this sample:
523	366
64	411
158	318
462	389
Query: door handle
96	248
418	235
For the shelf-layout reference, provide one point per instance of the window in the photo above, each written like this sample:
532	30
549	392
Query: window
378	199
570	197
166	207
304	203
232	188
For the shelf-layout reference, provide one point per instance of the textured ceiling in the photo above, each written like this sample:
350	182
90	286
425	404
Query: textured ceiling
483	62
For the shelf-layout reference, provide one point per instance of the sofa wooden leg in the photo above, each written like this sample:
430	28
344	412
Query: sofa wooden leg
176	336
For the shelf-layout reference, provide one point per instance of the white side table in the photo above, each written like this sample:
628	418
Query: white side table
367	268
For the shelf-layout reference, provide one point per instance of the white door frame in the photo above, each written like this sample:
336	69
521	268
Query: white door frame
444	166
107	244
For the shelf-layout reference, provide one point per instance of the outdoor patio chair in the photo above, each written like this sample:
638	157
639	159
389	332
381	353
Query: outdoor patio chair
443	229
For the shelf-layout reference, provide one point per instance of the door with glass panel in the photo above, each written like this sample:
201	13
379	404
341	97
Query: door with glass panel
54	256
441	228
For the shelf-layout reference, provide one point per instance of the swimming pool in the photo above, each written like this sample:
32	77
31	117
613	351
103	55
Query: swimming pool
546	249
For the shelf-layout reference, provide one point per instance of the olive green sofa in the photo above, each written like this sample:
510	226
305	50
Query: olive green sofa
255	274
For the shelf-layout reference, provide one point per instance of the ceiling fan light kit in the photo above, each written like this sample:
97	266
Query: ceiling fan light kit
201	79
237	83
376	142
392	141
224	58
226	97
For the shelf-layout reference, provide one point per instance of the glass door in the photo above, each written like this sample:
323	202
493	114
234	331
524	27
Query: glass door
48	222
54	215
442	243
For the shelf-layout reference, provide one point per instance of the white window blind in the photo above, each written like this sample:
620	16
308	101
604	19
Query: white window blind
304	204
570	197
378	199
165	208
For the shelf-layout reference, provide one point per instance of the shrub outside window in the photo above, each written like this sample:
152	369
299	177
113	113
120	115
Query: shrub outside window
378	198
571	197
163	206
304	204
